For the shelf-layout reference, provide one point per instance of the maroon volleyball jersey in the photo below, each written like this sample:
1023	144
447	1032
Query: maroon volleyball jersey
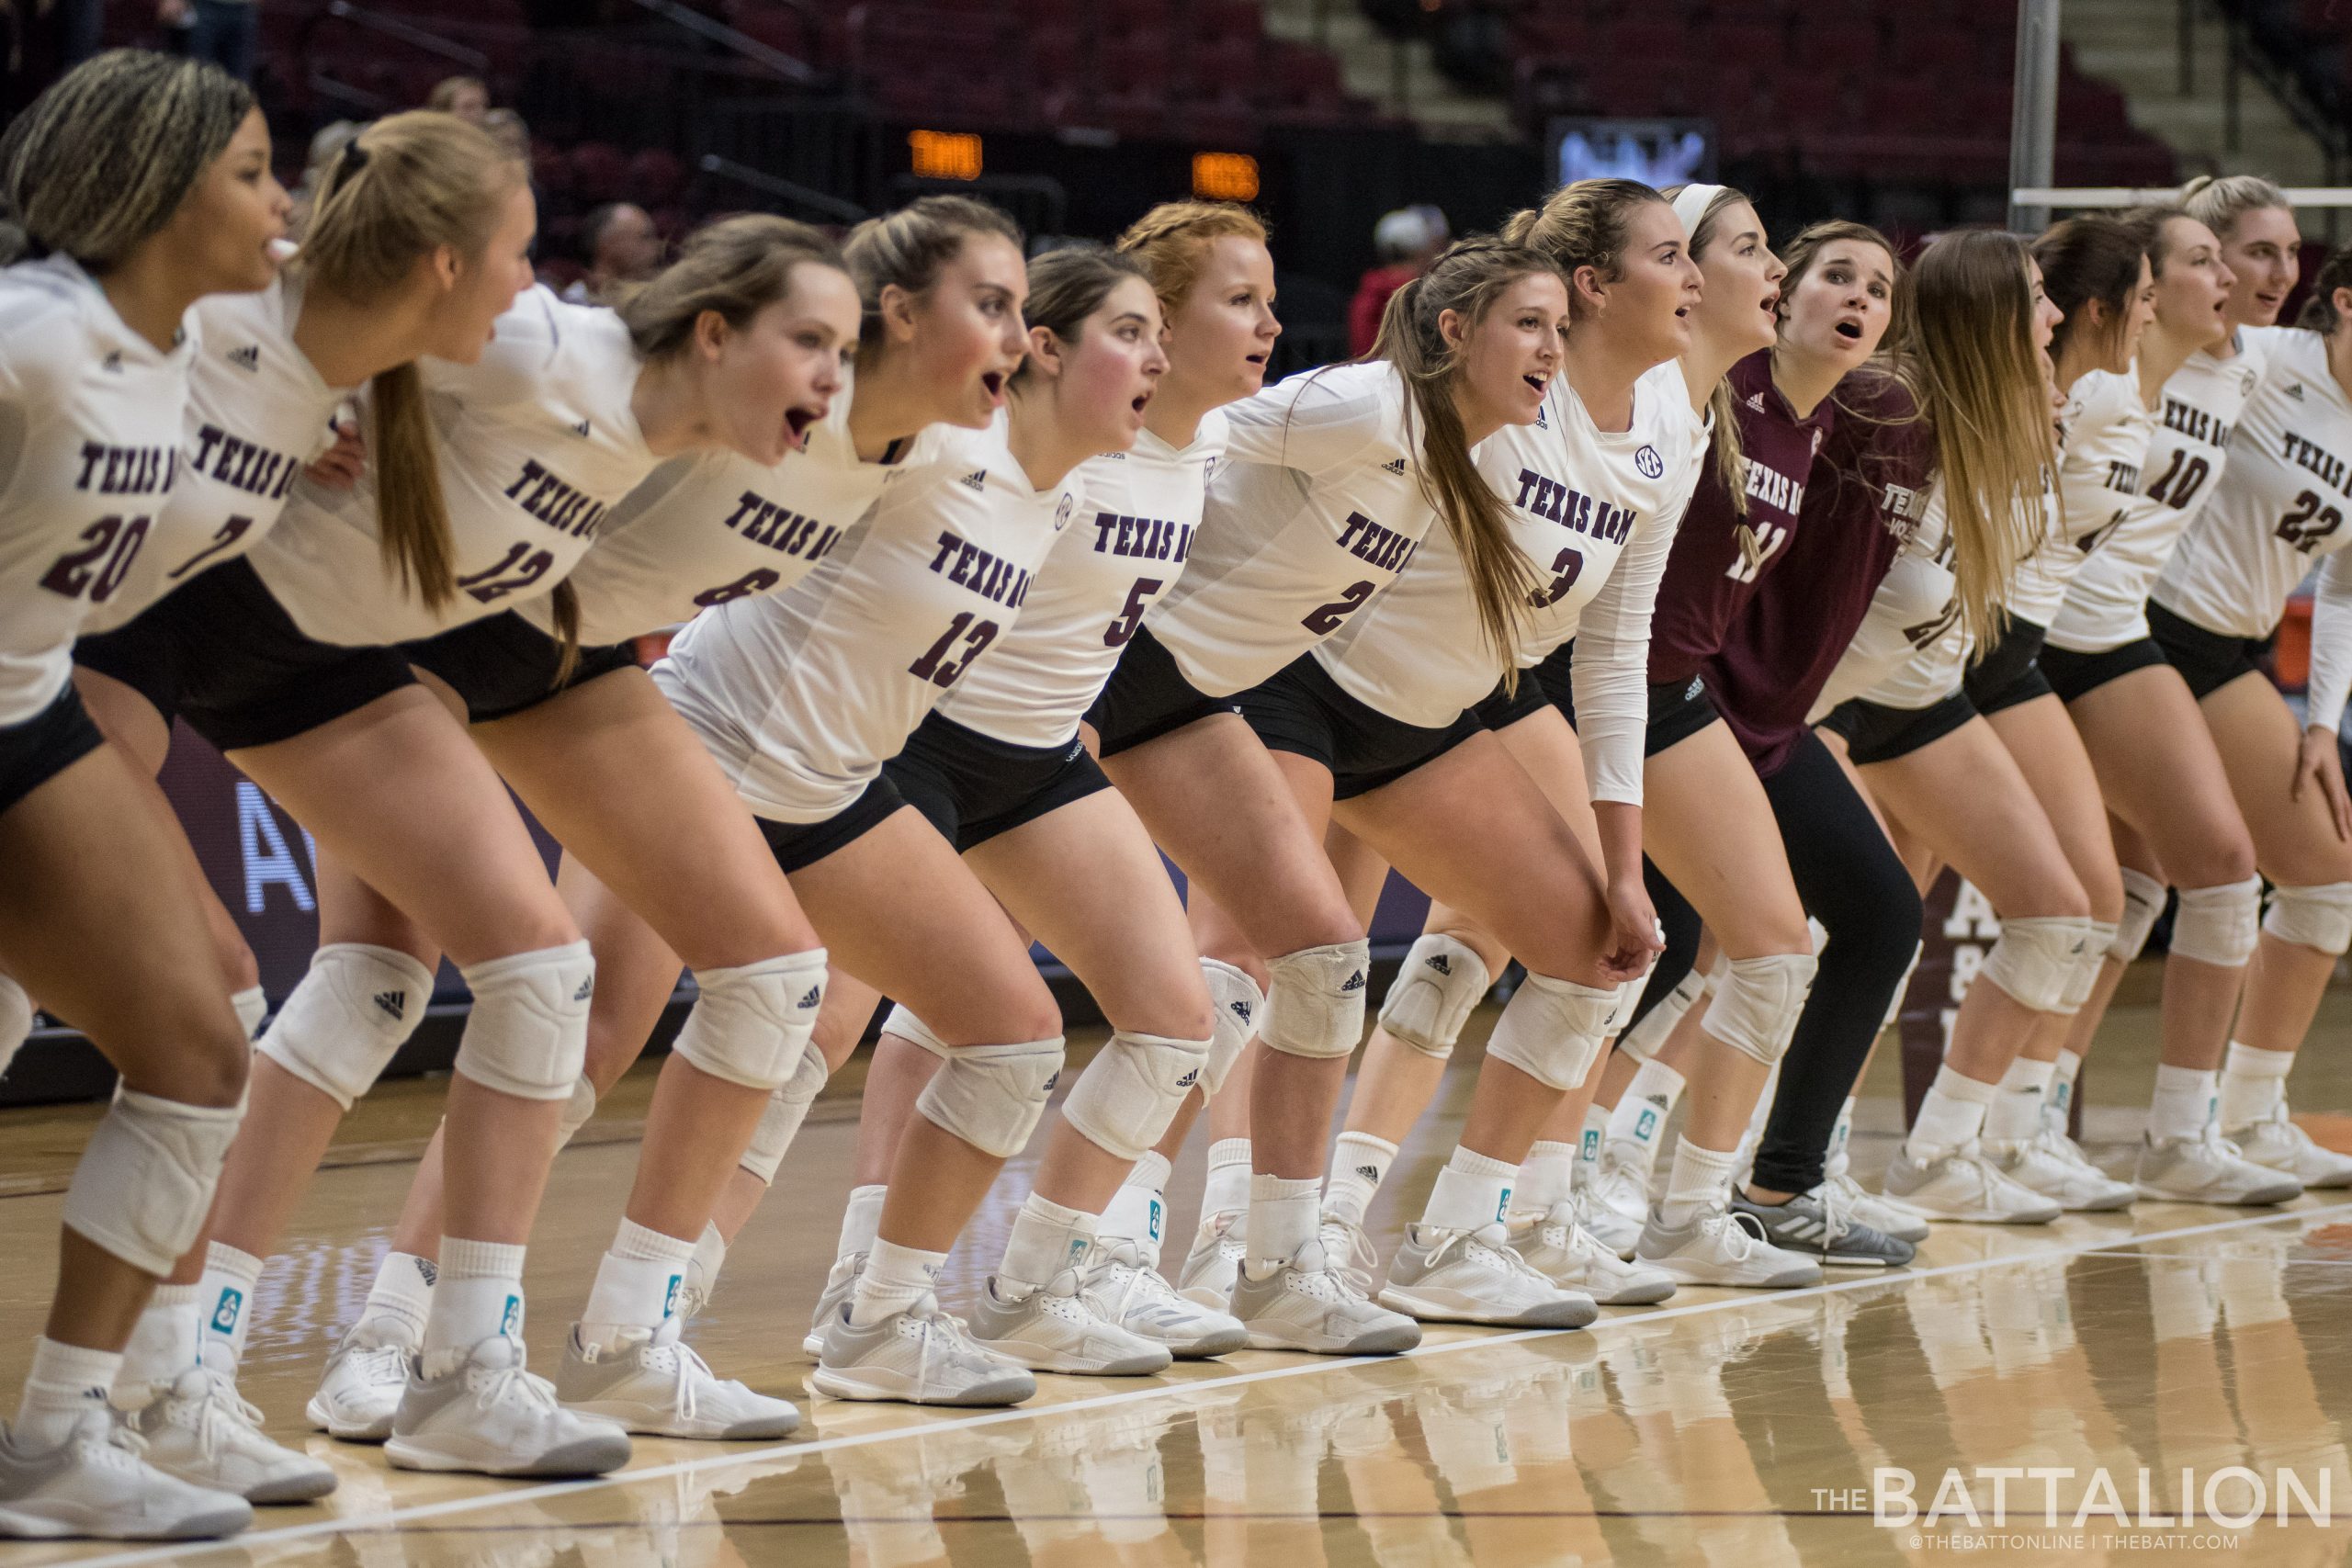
1865	494
1720	555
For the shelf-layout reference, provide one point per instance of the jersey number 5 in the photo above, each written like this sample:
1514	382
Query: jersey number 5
117	540
1119	631
935	667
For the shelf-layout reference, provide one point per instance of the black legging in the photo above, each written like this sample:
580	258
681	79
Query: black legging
1849	879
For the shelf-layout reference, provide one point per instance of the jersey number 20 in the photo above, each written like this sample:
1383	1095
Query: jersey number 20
97	569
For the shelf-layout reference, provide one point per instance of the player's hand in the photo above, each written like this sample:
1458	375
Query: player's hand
339	467
2320	759
1633	938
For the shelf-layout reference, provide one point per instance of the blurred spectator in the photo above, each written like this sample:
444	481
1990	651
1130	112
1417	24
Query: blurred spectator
506	129
82	26
221	31
621	245
1407	241
464	96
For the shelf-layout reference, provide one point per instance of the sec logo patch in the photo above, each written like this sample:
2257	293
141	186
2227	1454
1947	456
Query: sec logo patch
1649	462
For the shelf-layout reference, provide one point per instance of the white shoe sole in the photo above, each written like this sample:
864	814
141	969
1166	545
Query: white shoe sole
1043	1359
867	1383
1387	1340
375	1431
646	1422
95	1525
597	1453
1928	1210
1786	1279
2258	1197
1573	1312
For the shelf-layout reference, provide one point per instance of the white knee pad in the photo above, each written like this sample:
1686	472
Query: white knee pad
527	1035
251	1006
1642	1041
1902	989
1433	994
2036	958
16	1021
991	1096
1315	1006
901	1022
1553	1030
2318	916
348	1018
146	1177
787	1108
2143	900
1757	1004
577	1112
2219	925
2098	943
1240	1005
1125	1099
750	1024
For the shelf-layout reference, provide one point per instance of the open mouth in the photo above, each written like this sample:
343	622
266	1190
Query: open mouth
1138	402
1539	380
1850	330
994	381
797	422
1771	302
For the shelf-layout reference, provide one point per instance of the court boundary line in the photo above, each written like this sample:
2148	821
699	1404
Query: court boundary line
377	1523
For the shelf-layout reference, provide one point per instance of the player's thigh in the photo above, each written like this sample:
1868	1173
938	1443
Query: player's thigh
2159	771
2041	741
2258	740
1707	825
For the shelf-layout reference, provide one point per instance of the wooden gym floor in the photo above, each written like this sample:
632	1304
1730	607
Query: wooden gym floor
1722	1428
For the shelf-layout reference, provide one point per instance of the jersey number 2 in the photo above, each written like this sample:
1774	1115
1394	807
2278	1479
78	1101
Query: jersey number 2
2309	523
1323	622
935	667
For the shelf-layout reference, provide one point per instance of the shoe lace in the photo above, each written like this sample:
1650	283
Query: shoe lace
688	1372
218	1412
511	1385
1353	1262
1836	1213
1119	1277
1741	1234
116	1443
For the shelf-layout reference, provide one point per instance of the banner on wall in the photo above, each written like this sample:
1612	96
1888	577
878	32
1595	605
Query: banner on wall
1958	933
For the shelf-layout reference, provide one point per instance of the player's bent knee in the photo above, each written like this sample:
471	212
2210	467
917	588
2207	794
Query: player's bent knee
1125	1099
2219	925
1315	1005
2098	943
1552	1029
991	1096
786	1108
348	1018
2143	900
1758	1001
527	1035
1238	1005
751	1024
901	1022
2036	959
1641	1042
1436	990
577	1112
146	1179
2319	917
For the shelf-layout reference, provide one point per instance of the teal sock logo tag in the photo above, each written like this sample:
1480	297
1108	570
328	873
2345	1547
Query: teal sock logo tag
226	1312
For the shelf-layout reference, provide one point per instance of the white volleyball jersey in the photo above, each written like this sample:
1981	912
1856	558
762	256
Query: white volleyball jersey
2107	603
1316	508
1128	546
90	418
802	695
2330	677
1898	658
258	412
714	526
1595	513
537	441
2108	429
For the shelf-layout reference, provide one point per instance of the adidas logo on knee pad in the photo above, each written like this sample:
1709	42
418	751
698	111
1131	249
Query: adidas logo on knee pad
393	1002
816	995
1241	1011
587	989
1355	983
1441	964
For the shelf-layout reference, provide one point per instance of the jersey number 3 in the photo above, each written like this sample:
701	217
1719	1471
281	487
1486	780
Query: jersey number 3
935	667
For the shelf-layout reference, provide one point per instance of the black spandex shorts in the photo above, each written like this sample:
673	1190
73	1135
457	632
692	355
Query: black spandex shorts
1148	697
1679	710
1876	734
1302	710
220	652
2208	660
45	745
2072	675
2010	672
1547	683
797	845
503	664
974	786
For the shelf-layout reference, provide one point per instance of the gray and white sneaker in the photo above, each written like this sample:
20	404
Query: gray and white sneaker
1055	1328
1881	1214
1818	1225
1715	1246
2207	1169
1962	1185
1215	1260
919	1356
360	1390
96	1484
1617	1202
654	1384
1130	1292
1448	1276
489	1415
1558	1245
202	1431
2279	1145
2042	1164
1306	1305
841	1281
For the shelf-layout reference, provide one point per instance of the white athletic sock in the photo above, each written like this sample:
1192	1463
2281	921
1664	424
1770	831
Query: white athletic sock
702	1268
893	1278
66	1383
2253	1081
861	1222
480	1294
1841	1137
1474	1189
401	1297
1699	1179
1138	1210
1360	1164
253	1009
225	1305
636	1287
1547	1176
2184	1103
1283	1213
1228	1189
2062	1086
162	1345
1952	1114
2014	1115
1641	1116
1047	1239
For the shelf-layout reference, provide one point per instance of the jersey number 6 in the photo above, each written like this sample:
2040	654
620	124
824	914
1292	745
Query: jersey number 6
935	667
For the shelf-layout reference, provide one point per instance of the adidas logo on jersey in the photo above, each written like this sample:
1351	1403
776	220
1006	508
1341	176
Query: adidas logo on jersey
1394	465
1355	983
2295	390
579	429
977	479
816	995
247	357
112	362
1441	964
1755	401
394	1003
1542	420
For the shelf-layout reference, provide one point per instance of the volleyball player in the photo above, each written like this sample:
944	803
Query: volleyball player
144	185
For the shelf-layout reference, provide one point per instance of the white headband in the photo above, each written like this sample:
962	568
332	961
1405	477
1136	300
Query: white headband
1691	205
